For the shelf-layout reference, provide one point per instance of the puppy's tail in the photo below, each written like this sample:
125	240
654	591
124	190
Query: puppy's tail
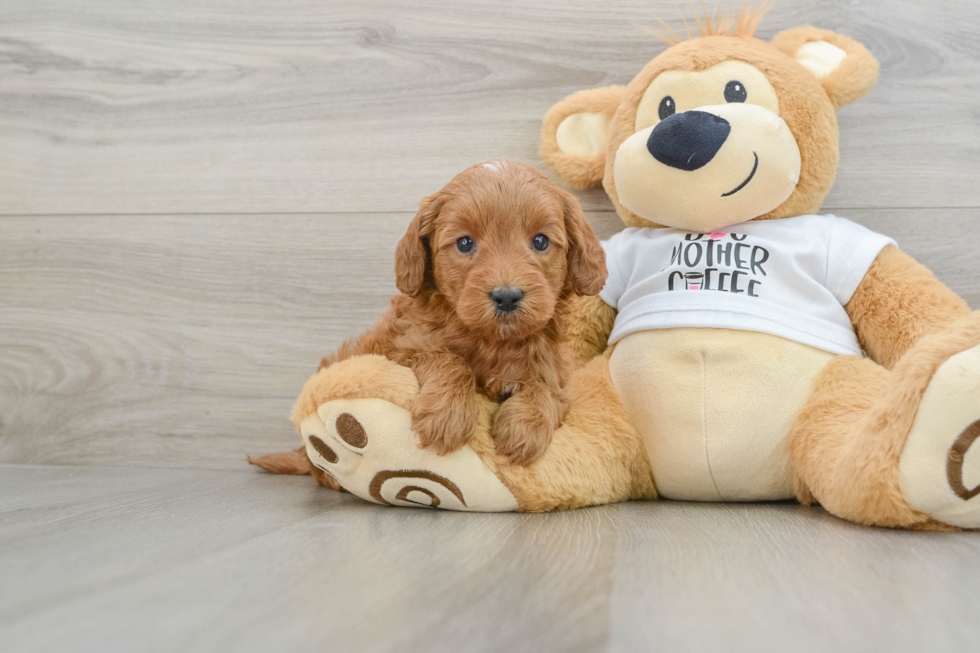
296	463
289	462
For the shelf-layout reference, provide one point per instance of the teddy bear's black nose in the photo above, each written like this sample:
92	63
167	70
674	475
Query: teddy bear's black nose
688	140
507	299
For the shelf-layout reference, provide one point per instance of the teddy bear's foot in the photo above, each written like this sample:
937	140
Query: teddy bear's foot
939	471
369	447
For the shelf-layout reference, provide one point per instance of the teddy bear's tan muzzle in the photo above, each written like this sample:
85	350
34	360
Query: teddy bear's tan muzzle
708	168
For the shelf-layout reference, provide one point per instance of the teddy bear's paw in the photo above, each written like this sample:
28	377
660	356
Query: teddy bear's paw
939	471
369	447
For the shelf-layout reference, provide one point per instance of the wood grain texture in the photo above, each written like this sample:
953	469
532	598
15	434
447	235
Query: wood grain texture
184	340
280	106
161	339
197	560
199	198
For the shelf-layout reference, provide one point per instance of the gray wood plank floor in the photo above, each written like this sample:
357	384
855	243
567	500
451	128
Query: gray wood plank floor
197	560
199	198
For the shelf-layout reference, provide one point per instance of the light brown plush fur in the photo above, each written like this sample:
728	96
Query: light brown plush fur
590	321
743	24
855	76
596	456
296	463
578	171
848	439
898	302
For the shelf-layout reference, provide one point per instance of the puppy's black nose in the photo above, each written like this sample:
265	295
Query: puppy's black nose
688	140
507	299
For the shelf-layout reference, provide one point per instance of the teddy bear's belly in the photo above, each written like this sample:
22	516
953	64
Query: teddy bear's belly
715	408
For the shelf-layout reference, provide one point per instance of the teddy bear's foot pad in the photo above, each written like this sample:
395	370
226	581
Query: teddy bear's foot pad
939	471
369	447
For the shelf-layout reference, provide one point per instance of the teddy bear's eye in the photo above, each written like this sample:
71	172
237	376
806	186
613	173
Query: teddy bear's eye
735	91
667	107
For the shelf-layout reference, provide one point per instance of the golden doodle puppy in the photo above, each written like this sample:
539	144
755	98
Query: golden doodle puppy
486	271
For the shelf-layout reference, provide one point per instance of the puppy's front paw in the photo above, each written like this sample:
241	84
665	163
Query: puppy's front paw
442	423
523	430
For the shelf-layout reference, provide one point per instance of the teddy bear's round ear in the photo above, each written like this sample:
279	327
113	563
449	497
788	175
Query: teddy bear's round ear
845	68
575	133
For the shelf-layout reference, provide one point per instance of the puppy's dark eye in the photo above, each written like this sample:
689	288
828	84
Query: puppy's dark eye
465	244
667	107
735	91
540	242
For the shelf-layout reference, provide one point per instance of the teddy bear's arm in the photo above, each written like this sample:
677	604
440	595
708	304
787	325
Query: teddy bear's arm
590	322
899	301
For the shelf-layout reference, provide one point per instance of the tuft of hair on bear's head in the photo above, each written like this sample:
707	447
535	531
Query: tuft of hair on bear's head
743	24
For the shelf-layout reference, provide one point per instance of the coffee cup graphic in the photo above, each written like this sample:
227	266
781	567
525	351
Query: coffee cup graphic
694	280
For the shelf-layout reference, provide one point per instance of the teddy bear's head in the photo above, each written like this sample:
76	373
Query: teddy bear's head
716	130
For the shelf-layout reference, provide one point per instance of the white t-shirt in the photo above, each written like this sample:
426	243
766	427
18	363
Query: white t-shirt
789	277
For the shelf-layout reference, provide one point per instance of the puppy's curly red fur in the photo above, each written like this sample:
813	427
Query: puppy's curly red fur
446	327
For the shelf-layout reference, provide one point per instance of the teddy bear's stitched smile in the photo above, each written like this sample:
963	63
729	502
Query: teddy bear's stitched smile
755	167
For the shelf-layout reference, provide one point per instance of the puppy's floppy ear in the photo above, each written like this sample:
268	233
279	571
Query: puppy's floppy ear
845	68
586	258
412	253
575	133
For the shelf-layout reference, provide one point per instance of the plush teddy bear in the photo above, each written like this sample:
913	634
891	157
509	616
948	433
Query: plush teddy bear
744	347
